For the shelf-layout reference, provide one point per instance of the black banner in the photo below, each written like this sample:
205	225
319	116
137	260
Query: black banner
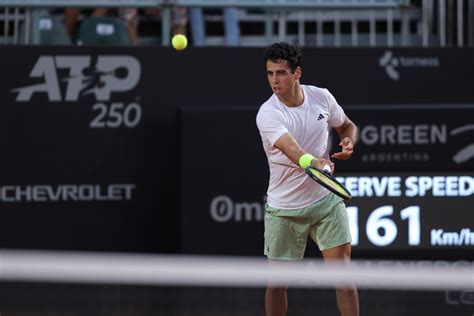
355	76
79	153
412	138
90	150
402	211
223	188
223	185
392	76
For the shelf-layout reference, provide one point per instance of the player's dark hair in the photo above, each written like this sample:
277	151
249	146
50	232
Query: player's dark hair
285	51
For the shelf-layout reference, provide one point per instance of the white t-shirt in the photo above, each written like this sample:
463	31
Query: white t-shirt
289	187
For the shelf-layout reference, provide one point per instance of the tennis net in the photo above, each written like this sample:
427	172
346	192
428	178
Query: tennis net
79	283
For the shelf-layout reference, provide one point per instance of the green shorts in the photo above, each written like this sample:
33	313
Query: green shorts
286	231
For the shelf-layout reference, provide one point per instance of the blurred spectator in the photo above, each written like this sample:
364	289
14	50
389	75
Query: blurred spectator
129	15
231	26
72	15
179	18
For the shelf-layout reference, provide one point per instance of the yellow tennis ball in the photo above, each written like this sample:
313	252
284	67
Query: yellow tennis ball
179	42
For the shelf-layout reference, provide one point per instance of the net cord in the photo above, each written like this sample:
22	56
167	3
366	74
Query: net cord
185	270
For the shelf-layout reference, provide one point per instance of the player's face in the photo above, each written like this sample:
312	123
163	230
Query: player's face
282	81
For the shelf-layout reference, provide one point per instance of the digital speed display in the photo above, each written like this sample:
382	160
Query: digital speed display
394	211
414	210
412	182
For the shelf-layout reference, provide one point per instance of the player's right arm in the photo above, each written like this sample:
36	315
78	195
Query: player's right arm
288	145
270	123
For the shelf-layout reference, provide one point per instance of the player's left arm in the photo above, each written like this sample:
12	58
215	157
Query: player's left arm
348	134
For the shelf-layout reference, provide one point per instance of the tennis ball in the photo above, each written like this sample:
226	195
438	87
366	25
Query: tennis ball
179	42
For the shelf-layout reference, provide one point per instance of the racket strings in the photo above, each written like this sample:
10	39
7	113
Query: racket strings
328	182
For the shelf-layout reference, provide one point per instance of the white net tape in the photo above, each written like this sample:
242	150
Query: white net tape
81	267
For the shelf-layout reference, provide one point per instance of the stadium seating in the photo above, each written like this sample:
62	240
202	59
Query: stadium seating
50	31
103	30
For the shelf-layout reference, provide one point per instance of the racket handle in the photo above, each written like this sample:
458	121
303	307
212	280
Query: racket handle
327	169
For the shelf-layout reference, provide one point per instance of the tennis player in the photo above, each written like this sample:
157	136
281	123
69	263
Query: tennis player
294	125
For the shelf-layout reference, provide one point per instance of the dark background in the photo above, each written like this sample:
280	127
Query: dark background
187	98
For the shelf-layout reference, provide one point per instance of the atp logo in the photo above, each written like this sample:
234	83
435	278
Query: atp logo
100	77
390	63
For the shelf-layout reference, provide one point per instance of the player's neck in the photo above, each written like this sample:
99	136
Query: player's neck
294	99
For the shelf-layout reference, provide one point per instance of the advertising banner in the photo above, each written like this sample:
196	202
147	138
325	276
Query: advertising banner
392	76
411	210
91	153
436	137
224	177
77	148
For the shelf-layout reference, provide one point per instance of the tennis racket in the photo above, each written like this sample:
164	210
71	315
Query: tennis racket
325	179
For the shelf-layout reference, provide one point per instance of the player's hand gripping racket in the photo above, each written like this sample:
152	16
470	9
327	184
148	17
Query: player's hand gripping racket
325	179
